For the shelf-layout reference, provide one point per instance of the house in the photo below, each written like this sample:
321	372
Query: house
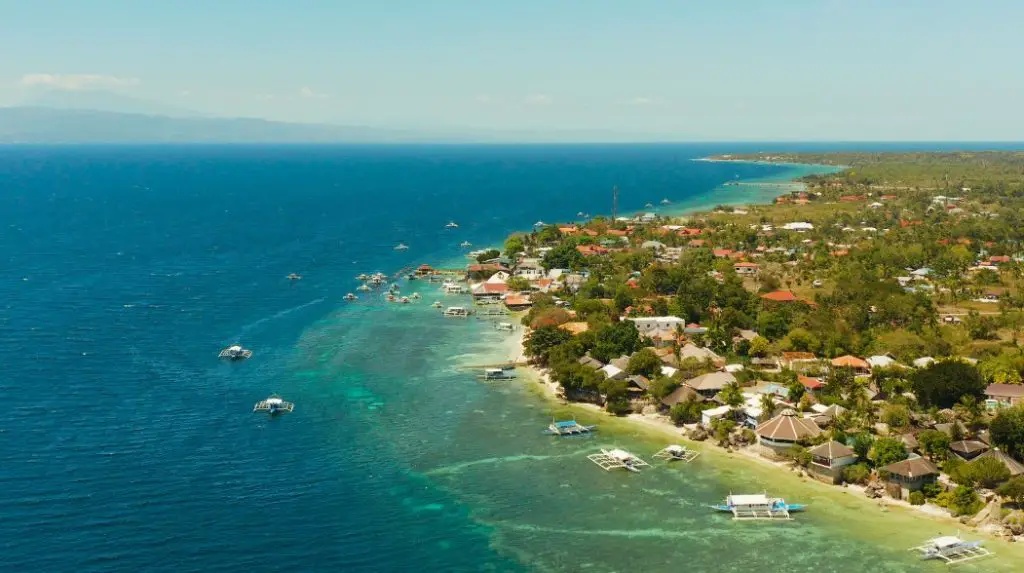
1003	395
968	449
810	384
655	245
612	372
859	366
591	250
798	361
651	326
798	226
680	395
829	459
707	417
881	361
1016	468
590	362
641	383
744	268
530	269
999	259
489	289
824	416
779	434
710	384
780	296
910	475
721	253
518	302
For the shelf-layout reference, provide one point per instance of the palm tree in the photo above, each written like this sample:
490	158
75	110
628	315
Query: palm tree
767	406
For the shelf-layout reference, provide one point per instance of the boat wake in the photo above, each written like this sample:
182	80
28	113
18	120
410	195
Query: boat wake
249	327
455	468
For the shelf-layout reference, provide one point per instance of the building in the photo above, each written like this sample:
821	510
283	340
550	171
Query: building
707	417
859	366
798	361
650	326
829	459
1016	468
968	449
778	435
518	302
910	475
710	384
780	296
1003	395
530	269
681	394
744	268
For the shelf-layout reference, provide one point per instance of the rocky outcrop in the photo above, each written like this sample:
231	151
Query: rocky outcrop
699	434
874	490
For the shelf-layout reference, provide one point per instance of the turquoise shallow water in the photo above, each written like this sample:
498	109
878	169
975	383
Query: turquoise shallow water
128	446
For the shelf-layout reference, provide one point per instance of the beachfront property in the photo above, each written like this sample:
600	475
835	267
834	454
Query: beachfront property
968	449
909	475
829	459
710	384
651	326
778	435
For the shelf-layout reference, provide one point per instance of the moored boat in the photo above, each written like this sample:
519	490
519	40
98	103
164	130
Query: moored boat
273	405
350	297
568	428
757	506
235	352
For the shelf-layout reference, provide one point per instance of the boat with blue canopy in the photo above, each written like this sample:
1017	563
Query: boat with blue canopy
758	506
568	428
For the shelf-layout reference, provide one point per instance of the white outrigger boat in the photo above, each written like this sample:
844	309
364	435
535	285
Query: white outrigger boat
235	352
677	452
453	288
273	405
496	374
363	277
504	326
401	247
415	296
456	312
363	287
294	277
451	225
465	244
350	297
666	202
404	300
614	459
568	428
437	304
757	506
952	549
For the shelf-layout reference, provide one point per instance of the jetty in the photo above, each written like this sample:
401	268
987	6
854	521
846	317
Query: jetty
615	459
676	452
951	549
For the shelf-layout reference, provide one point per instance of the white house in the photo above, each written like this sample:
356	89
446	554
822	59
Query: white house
530	269
651	326
798	226
708	416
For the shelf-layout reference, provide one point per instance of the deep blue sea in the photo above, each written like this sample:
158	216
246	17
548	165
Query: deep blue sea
128	446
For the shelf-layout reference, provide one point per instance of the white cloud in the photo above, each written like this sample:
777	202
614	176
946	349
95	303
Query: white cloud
642	101
77	82
185	93
309	93
539	99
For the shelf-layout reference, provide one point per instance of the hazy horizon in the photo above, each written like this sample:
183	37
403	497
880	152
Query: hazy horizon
733	71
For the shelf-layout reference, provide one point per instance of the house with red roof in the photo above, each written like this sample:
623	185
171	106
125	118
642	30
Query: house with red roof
744	268
591	250
721	253
780	296
859	366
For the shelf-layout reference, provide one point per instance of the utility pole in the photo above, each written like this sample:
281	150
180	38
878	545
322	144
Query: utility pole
615	203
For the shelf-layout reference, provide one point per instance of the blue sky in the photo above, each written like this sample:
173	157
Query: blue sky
677	69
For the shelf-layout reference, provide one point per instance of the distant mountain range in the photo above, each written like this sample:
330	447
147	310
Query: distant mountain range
46	125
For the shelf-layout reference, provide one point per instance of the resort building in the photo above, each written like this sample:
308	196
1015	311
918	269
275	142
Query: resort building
859	366
680	395
745	268
829	459
518	302
651	326
910	475
1003	395
707	417
708	385
968	449
798	361
777	435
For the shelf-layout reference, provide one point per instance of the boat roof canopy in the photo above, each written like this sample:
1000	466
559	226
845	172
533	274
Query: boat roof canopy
758	499
566	424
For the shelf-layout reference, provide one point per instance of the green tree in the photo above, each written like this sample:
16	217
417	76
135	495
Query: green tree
663	386
965	501
856	473
934	444
1007	430
767	406
888	451
514	245
686	412
862	444
616	396
1013	490
943	383
488	255
988	472
517	284
543	340
564	256
731	395
759	347
645	363
896	415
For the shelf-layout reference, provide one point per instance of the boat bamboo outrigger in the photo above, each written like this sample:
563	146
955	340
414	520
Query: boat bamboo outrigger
951	549
758	506
350	297
613	459
504	326
294	277
568	428
677	452
456	312
235	352
496	374
273	405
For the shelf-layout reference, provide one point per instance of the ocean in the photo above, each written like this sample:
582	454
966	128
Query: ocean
127	445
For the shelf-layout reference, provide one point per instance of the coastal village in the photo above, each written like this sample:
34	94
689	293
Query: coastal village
864	330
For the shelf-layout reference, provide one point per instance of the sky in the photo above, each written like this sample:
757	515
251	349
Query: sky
687	70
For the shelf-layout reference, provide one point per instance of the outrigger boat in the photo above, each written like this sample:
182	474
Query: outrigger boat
496	374
451	225
677	452
350	296
273	405
416	296
758	506
568	428
437	304
951	549
456	312
613	459
363	287
666	202
465	244
504	326
294	277
401	247
363	277
391	298
404	300
235	352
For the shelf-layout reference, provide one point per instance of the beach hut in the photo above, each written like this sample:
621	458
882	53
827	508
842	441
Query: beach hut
710	384
910	475
680	395
829	459
968	449
777	435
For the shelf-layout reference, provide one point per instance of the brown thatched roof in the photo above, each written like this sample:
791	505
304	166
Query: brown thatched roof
831	450
1016	468
681	394
912	468
788	426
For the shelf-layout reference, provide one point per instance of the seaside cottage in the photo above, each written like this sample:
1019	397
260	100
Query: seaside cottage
518	302
968	449
652	326
778	435
829	459
710	384
910	475
680	395
1003	395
